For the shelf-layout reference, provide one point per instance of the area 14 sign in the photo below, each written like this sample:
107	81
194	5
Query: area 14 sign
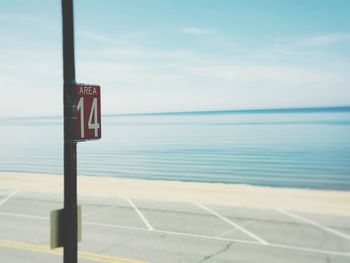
88	125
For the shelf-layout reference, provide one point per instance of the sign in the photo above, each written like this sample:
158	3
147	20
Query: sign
88	123
56	227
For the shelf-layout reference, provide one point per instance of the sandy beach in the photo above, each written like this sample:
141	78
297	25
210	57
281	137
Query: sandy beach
303	200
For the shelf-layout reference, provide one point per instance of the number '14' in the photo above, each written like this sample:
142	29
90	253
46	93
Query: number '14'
93	122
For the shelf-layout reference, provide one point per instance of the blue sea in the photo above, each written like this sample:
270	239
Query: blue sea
299	148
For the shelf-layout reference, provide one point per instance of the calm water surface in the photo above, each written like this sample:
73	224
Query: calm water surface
282	148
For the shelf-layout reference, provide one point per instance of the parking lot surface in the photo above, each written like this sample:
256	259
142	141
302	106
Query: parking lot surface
128	230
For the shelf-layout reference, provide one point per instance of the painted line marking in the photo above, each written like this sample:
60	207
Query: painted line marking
24	216
233	224
227	232
248	242
84	222
97	211
115	226
325	228
81	254
207	237
174	233
234	229
148	225
8	197
313	250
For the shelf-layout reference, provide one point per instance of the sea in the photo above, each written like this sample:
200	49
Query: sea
294	148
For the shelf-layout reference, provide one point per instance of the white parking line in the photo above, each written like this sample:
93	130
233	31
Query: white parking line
97	211
114	226
148	225
231	230
3	201
326	228
313	250
232	224
24	216
281	246
207	237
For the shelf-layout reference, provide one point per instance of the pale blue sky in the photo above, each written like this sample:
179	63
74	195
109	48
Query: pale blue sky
158	55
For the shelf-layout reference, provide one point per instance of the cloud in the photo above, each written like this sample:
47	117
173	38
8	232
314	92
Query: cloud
90	35
142	55
260	85
325	39
138	78
201	84
196	31
31	82
19	18
208	84
285	76
128	40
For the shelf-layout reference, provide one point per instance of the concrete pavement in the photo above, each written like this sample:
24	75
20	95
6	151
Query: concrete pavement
126	230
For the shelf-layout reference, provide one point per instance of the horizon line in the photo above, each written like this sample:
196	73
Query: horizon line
315	109
251	110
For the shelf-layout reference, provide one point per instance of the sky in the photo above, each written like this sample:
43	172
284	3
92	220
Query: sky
183	55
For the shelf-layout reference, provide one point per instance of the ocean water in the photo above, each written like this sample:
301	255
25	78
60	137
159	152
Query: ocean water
301	148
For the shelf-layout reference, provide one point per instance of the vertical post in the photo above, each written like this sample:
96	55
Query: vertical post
70	151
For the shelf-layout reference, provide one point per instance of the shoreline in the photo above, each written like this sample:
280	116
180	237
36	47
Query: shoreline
187	181
242	195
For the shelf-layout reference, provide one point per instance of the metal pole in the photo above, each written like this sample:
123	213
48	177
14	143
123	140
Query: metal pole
70	151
